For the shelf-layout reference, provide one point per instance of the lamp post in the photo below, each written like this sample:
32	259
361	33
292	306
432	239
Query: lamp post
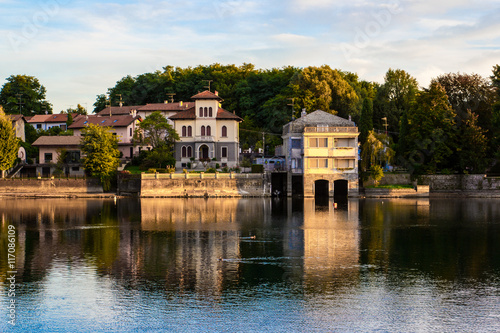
385	120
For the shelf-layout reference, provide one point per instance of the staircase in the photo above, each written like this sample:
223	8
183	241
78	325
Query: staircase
15	170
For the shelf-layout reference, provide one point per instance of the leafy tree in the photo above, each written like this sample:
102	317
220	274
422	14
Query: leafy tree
100	103
473	146
376	151
495	133
9	143
393	98
79	110
101	155
156	131
366	121
431	132
23	94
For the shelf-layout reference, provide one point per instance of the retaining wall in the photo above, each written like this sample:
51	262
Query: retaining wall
49	187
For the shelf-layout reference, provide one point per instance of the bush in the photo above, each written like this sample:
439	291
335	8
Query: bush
257	168
151	170
211	170
376	173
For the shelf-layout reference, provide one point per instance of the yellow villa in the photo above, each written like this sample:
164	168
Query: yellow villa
321	153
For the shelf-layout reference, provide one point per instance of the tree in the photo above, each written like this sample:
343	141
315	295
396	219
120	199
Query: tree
100	148
23	94
495	141
100	103
9	143
473	146
431	137
376	151
156	131
393	98
366	121
79	110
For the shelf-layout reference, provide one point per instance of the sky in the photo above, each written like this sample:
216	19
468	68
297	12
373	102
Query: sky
79	49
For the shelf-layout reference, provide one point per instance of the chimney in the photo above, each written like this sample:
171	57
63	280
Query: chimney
166	102
349	117
303	113
121	104
216	92
180	103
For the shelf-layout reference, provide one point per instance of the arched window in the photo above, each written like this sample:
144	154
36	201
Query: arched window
201	112
209	131
210	111
183	130
189	151
202	130
190	131
206	112
184	151
224	131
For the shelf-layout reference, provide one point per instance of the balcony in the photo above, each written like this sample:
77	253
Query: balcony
343	152
204	138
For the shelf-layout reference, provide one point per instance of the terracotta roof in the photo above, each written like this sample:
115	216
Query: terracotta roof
177	106
191	114
118	110
113	121
206	95
50	118
15	117
59	141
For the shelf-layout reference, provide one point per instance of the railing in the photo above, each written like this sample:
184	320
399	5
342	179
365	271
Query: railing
330	130
205	138
202	175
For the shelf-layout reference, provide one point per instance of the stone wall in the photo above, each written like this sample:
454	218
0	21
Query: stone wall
467	183
49	187
196	185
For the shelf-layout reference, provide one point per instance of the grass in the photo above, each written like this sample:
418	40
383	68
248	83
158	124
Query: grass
135	170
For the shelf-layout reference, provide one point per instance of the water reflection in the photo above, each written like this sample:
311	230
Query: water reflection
238	250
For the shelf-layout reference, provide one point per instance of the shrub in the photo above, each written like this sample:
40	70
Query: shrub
211	170
257	168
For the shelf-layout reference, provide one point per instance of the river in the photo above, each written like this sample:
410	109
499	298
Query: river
249	265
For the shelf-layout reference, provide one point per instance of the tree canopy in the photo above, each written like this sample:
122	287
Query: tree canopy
9	143
101	155
23	94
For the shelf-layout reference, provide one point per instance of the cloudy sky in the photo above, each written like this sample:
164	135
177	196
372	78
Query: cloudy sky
79	49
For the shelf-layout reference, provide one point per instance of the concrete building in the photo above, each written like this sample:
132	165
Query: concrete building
207	132
50	147
321	152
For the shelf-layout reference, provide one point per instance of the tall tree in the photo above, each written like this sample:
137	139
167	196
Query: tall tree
23	94
366	121
393	98
9	143
495	141
431	131
473	146
100	148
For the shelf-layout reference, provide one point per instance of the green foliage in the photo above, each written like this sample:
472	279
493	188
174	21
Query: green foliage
160	157
431	137
376	173
473	147
366	121
100	148
376	151
79	110
9	144
27	90
156	132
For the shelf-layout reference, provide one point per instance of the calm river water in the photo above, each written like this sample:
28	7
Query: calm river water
250	265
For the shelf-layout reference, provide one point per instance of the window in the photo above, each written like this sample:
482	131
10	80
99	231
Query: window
190	131
210	111
183	151
209	131
189	151
201	112
224	152
296	143
224	131
183	131
205	112
202	130
130	131
318	142
48	157
38	126
318	163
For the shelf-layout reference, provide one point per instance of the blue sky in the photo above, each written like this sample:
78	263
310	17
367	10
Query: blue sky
79	49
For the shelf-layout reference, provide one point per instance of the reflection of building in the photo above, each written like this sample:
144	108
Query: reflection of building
206	132
331	242
321	154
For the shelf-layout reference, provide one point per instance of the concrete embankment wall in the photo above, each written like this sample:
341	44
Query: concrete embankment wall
49	187
195	185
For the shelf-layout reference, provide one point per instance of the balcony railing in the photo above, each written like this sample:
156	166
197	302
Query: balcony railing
330	130
205	138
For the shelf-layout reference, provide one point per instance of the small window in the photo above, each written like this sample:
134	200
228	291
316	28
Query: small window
38	126
130	131
296	143
183	131
75	168
202	130
318	142
184	151
224	152
205	112
190	131
209	131
210	112
201	112
224	132
48	157
318	163
189	151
